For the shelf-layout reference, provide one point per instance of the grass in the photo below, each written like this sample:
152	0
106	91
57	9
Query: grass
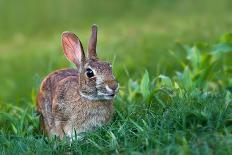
164	123
172	58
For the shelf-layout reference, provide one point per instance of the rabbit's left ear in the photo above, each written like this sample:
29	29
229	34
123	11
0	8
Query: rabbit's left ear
93	43
73	49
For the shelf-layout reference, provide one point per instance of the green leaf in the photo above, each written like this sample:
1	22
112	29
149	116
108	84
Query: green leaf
228	98
113	138
144	85
166	81
133	88
186	78
222	48
185	150
194	57
226	38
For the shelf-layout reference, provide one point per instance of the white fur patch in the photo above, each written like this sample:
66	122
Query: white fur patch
101	94
88	97
99	97
104	96
99	80
73	134
108	89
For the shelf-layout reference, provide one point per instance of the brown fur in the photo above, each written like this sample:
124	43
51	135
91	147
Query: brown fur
63	109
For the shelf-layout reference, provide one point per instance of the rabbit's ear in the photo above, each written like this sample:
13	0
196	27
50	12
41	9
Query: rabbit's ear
93	43
73	49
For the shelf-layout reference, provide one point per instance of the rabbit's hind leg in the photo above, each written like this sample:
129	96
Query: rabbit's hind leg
44	109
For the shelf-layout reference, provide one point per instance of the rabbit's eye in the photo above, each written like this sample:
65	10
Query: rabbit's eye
89	73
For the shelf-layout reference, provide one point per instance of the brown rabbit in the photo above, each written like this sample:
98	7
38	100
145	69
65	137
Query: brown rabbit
71	101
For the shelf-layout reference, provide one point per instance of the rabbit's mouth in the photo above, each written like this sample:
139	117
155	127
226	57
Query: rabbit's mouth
110	96
105	92
106	95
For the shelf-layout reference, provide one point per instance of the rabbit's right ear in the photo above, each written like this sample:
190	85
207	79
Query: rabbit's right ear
73	49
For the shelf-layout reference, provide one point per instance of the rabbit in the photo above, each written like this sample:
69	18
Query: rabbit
73	101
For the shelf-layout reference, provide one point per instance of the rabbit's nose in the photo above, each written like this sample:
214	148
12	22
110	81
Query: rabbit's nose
112	86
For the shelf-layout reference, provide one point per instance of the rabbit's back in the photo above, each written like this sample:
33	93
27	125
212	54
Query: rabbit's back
47	97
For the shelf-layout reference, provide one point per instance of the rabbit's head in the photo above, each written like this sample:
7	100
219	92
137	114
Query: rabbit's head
96	80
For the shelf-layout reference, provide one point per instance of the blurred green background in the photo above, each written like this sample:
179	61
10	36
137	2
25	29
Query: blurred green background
134	34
